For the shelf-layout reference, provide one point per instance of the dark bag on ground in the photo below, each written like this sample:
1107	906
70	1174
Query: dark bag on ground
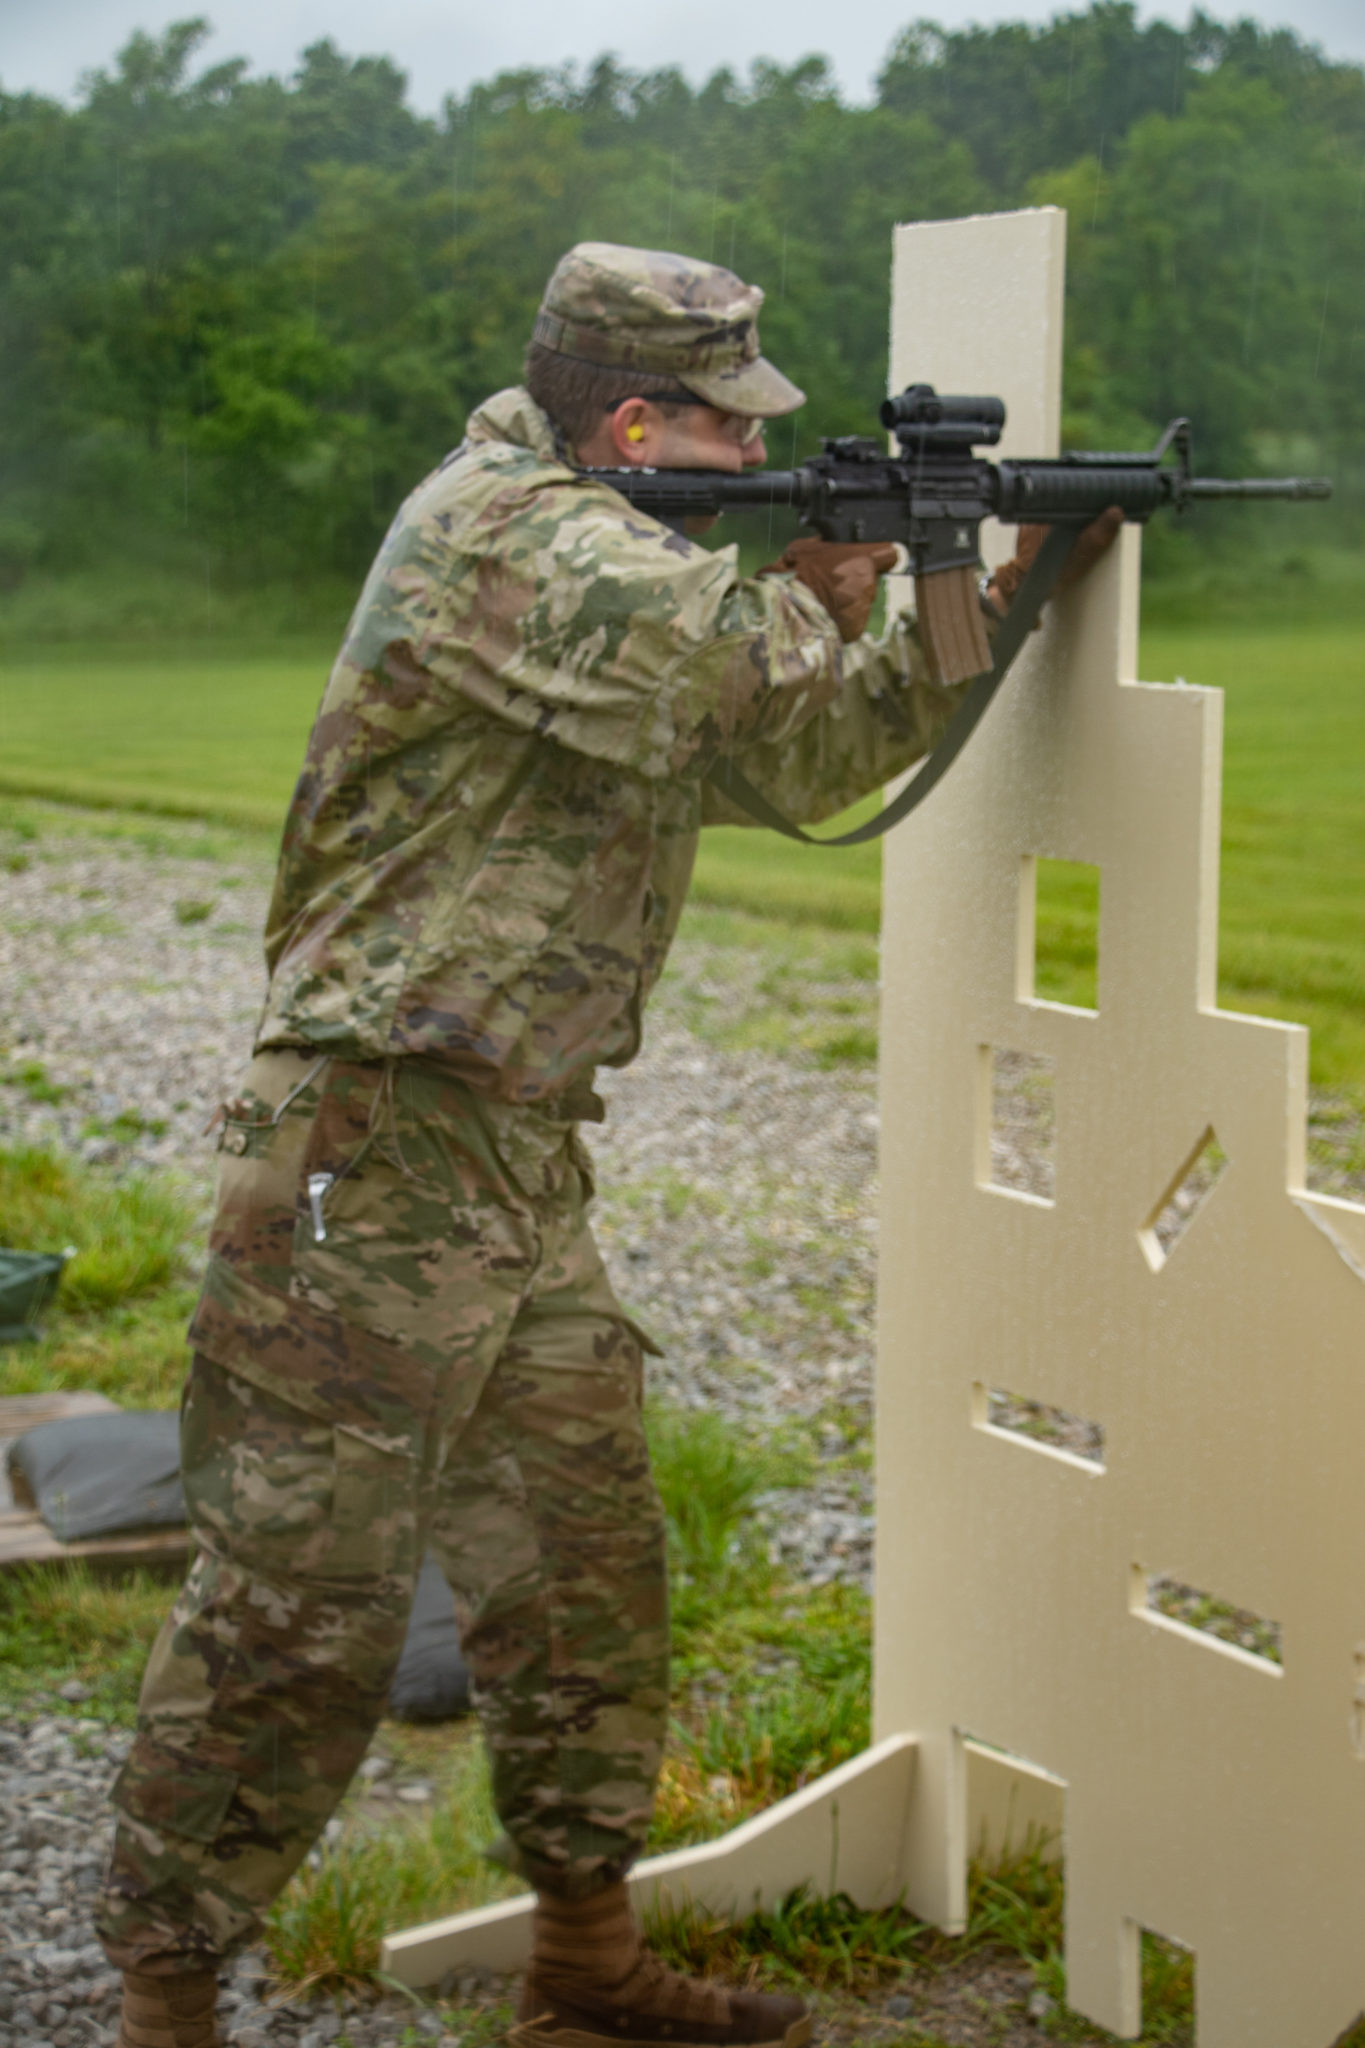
105	1475
101	1475
27	1281
431	1682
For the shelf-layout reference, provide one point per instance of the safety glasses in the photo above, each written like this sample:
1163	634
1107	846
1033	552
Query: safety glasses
739	427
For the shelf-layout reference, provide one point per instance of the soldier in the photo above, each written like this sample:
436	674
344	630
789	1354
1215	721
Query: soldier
406	1338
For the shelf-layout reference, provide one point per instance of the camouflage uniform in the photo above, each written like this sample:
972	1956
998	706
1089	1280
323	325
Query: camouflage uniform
483	867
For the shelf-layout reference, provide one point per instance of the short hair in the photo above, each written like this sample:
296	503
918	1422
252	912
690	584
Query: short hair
575	393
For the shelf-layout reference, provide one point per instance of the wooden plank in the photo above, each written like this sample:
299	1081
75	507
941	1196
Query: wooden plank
25	1538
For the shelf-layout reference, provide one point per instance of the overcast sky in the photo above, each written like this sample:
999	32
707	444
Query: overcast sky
444	45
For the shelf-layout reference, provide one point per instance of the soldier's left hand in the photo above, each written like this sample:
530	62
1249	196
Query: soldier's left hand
1092	542
843	574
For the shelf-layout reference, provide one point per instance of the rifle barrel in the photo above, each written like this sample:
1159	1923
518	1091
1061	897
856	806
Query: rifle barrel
697	490
1259	487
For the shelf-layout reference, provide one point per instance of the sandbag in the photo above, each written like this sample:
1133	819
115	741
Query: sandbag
27	1281
432	1681
102	1475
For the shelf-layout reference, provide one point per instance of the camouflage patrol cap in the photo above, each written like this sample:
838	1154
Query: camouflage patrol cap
646	309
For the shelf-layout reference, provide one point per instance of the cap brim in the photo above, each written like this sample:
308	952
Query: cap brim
755	388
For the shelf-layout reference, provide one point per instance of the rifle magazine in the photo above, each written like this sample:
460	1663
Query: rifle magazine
952	630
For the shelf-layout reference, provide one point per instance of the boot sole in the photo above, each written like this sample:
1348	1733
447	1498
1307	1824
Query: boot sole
532	2034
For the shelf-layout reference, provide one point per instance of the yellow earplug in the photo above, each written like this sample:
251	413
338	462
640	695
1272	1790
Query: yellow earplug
636	433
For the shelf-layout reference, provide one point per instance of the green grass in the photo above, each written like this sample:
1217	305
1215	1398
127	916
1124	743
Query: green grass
198	733
326	1927
63	1621
1067	919
117	1326
760	984
1014	1908
1293	897
32	1077
202	732
126	1235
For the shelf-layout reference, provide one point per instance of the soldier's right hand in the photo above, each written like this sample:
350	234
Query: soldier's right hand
843	574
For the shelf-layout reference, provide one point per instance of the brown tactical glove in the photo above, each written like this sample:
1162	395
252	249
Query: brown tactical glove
842	574
1093	541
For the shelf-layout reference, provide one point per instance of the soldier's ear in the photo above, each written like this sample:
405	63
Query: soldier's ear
629	429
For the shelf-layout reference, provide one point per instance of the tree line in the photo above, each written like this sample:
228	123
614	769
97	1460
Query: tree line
240	317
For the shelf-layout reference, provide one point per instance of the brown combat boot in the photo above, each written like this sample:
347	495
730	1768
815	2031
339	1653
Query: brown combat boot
169	2012
590	1982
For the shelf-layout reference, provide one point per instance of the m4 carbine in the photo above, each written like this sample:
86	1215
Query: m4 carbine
930	497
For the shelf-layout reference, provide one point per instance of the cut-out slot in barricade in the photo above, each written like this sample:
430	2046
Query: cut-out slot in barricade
1121	1389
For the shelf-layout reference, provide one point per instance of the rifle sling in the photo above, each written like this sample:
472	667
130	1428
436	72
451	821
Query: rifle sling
1019	622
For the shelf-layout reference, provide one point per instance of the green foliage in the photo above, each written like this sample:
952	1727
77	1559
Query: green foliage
63	1621
194	909
1066	923
224	361
805	1940
127	1234
708	1477
37	1084
1014	1907
326	1928
788	1732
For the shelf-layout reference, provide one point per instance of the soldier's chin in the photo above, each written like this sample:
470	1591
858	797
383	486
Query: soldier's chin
700	522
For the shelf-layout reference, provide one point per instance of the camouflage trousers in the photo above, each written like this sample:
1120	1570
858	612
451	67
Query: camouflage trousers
406	1340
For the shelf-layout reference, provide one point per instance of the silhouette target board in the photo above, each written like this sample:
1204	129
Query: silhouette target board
1121	1346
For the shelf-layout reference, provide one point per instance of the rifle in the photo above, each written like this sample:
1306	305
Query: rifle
930	497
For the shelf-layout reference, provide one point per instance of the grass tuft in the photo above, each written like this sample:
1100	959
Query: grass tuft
829	1943
326	1928
708	1477
37	1084
63	1621
134	1353
1014	1908
127	1234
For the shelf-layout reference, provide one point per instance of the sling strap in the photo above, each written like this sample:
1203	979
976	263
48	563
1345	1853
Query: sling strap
1036	588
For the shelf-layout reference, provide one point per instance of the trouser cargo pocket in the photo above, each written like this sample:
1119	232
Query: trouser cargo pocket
303	1439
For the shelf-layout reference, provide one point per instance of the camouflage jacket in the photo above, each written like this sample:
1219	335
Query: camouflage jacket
489	845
